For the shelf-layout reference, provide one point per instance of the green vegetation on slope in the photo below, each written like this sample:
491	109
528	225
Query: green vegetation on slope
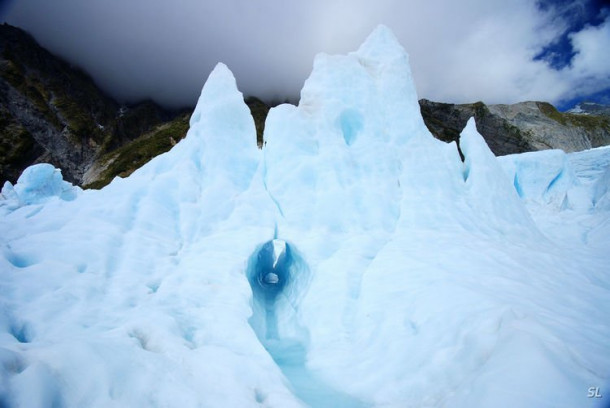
54	112
588	122
126	159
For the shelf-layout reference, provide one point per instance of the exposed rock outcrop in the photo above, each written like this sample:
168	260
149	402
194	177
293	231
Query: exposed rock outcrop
46	103
52	112
518	128
259	111
446	121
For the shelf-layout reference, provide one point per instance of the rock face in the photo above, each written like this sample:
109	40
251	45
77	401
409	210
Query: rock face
49	106
548	128
52	112
446	121
259	111
518	128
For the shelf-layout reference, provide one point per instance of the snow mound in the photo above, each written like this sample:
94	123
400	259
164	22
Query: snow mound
37	185
353	261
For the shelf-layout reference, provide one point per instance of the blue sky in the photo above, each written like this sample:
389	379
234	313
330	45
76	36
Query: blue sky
489	50
560	53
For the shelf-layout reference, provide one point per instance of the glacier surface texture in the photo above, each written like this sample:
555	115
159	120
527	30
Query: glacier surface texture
353	261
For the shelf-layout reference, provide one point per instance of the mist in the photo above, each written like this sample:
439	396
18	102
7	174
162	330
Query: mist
459	51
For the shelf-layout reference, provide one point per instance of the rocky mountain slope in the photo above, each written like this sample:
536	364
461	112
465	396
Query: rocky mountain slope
518	128
52	112
591	108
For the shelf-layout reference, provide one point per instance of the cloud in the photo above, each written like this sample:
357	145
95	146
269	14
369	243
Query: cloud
460	51
592	60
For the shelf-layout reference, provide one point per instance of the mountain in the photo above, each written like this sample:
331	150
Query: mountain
353	261
53	112
521	127
591	108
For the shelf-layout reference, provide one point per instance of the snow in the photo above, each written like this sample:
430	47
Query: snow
354	261
577	109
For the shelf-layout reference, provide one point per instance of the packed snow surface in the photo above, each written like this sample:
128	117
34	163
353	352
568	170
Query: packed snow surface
354	261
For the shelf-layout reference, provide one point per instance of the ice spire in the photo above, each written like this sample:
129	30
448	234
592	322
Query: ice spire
381	45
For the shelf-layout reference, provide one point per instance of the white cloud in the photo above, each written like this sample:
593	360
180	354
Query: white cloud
592	61
460	51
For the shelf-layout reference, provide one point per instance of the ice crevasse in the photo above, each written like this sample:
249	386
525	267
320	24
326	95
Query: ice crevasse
353	261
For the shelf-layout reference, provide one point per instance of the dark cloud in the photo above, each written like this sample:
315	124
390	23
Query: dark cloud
463	51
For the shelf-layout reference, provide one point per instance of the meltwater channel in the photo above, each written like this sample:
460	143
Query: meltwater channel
279	278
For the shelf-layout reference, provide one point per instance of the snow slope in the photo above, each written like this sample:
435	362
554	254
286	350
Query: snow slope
355	261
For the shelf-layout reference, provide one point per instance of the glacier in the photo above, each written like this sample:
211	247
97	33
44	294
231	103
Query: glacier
353	261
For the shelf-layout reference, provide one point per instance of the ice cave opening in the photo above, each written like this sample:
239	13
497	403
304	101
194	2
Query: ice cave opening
279	277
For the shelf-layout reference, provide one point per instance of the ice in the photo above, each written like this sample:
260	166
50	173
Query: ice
271	278
36	185
279	248
548	173
601	198
565	193
354	261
